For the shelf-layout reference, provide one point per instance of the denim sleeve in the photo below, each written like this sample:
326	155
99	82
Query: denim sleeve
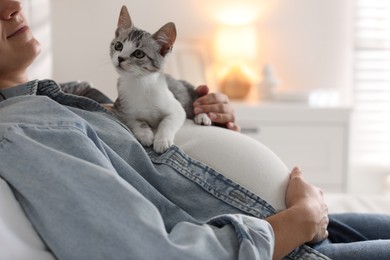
67	183
82	88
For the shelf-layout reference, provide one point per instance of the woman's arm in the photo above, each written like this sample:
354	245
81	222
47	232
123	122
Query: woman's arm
304	220
217	106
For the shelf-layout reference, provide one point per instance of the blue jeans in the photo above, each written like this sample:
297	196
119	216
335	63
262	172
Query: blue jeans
357	236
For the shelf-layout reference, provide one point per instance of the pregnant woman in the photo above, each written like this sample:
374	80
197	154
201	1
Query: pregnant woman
91	191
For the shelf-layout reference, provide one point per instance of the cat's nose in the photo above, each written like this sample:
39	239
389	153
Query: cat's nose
120	59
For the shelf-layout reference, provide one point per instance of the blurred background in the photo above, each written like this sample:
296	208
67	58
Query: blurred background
308	53
307	42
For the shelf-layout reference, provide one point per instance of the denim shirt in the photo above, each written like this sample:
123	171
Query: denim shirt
92	191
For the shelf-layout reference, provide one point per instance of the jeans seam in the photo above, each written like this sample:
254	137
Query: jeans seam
251	199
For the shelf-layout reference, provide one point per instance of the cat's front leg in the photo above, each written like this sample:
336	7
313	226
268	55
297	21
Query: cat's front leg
164	138
202	119
167	130
142	132
161	145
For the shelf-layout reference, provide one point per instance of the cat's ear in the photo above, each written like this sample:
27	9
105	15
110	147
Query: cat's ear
124	21
166	37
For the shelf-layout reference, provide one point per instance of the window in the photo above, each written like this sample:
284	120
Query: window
370	125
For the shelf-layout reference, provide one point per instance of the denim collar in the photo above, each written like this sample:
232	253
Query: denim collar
29	88
51	89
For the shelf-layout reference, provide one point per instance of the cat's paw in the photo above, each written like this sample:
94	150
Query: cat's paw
145	137
202	119
161	145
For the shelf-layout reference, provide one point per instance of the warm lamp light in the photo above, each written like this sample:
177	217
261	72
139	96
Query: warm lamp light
234	12
235	84
237	15
236	43
236	53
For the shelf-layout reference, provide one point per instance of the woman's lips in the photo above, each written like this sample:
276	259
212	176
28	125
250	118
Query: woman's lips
21	30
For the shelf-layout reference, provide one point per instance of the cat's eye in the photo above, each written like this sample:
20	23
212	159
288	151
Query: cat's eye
118	46
139	54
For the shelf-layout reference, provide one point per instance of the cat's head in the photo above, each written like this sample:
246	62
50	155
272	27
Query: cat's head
138	52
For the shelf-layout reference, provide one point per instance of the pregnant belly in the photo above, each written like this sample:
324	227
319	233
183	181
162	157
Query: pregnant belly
238	157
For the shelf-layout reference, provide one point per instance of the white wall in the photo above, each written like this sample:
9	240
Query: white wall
309	42
41	27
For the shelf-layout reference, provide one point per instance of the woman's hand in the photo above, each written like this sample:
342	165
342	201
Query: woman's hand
216	106
310	200
305	219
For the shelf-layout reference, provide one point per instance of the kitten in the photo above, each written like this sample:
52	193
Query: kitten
152	104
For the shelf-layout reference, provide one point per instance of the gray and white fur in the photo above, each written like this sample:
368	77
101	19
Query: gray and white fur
151	103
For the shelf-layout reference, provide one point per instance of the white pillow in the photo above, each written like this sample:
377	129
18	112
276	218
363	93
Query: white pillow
239	158
18	239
